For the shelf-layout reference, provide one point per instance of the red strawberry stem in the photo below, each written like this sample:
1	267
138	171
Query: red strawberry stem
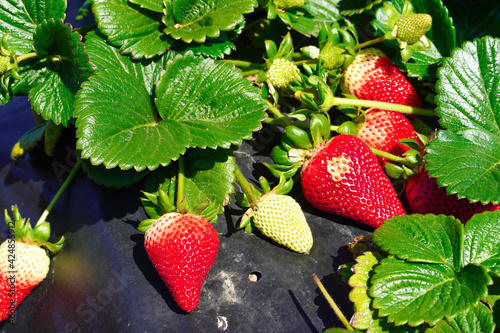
246	187
384	106
332	303
58	194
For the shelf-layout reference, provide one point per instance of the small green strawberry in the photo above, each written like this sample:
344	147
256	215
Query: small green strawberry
288	4
4	64
412	28
281	73
332	57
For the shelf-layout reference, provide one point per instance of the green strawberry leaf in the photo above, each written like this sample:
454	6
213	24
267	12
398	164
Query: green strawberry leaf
116	177
136	30
20	18
211	99
117	124
365	317
482	241
479	319
214	48
154	5
308	18
198	102
423	238
350	7
196	20
67	66
484	20
209	175
415	293
105	56
363	314
465	155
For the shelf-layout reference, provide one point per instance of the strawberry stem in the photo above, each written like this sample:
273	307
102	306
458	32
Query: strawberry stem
58	194
26	56
371	42
392	157
244	64
332	303
180	181
250	72
277	113
305	61
277	122
246	187
384	106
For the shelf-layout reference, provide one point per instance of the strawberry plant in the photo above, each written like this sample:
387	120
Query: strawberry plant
383	114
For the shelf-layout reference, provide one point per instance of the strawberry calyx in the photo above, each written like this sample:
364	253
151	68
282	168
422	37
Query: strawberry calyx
161	202
25	233
298	145
8	62
284	187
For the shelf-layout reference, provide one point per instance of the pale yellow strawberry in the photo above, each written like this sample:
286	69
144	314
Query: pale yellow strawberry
281	73
22	268
280	218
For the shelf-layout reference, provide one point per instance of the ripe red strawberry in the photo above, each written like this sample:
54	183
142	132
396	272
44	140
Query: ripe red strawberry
182	248
383	131
372	76
344	177
425	196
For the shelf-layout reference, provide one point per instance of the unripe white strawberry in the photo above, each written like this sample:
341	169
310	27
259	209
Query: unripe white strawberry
4	64
22	268
332	57
24	261
411	28
281	73
280	218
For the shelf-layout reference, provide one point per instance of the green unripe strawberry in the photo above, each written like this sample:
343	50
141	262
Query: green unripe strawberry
411	28
4	64
281	73
332	57
280	218
288	4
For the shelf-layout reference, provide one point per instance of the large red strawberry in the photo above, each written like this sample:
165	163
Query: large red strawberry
24	261
344	177
372	76
383	130
425	196
182	248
